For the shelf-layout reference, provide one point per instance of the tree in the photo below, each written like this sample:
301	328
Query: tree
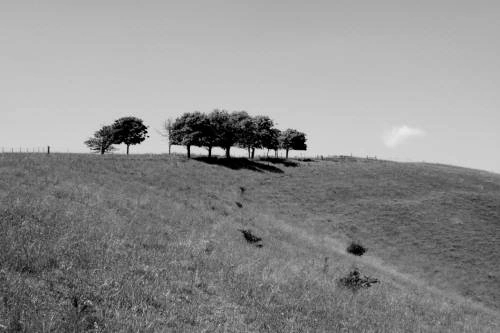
292	140
254	133
226	127
130	131
209	136
271	141
246	129
188	130
265	133
102	141
167	132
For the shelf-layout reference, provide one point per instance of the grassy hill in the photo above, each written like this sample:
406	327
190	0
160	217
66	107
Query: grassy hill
151	243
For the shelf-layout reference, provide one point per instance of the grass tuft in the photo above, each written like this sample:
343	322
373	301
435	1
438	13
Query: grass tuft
354	281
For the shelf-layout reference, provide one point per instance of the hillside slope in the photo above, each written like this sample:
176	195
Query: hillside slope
151	243
439	223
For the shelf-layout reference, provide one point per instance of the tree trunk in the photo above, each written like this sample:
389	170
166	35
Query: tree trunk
102	150
209	152
188	151
128	146
249	152
228	152
287	153
169	148
253	153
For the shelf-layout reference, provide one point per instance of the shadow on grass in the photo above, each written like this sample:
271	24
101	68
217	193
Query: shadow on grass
239	163
283	161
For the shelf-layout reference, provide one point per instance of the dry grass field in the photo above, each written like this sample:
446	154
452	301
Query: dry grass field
151	244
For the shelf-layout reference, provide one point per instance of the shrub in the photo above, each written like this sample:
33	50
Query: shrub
356	249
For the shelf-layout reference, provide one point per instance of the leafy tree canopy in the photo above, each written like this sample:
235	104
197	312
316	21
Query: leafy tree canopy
224	129
102	141
265	131
130	131
292	140
271	140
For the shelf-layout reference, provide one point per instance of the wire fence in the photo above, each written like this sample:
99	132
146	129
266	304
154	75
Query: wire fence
280	155
37	150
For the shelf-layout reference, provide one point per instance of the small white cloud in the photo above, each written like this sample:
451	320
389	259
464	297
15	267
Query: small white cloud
400	134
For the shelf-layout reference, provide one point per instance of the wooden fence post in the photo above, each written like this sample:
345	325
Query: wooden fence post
48	150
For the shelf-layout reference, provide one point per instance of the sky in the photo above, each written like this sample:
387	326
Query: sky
400	80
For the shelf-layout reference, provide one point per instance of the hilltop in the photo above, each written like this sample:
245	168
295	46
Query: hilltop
151	243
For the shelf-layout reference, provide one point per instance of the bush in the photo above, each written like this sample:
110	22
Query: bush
356	249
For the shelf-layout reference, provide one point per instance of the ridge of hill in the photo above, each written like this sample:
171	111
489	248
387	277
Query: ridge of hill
151	243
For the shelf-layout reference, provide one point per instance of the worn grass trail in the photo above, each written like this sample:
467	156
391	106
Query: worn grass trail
152	244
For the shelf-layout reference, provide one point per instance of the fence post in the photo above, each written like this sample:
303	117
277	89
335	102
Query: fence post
48	150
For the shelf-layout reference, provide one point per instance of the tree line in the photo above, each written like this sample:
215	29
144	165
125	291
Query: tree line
225	130
219	128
